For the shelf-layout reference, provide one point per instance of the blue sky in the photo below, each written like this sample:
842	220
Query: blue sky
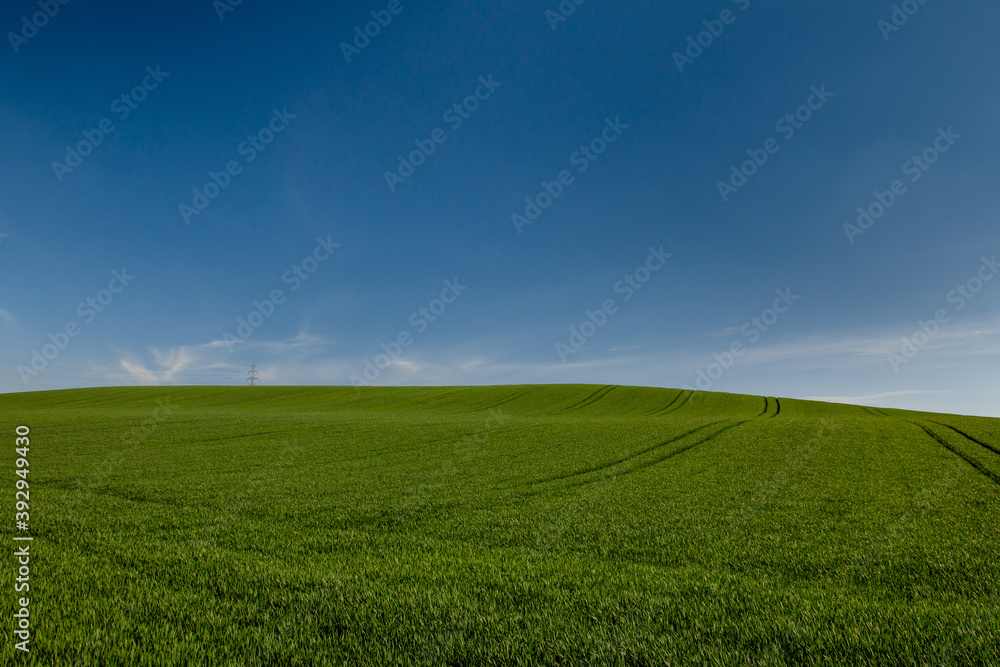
610	119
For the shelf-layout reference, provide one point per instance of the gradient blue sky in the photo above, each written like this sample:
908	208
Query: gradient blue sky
656	185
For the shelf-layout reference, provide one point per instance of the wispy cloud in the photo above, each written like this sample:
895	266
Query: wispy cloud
775	369
628	348
212	362
869	398
852	350
7	321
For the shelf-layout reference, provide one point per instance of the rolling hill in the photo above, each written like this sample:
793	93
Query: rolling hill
504	525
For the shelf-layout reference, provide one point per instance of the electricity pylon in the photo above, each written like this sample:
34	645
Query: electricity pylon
253	379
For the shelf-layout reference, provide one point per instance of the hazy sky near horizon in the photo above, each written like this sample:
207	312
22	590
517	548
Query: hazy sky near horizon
771	198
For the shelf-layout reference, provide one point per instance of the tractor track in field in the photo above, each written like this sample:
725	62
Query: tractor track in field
674	453
989	474
291	432
627	458
968	437
516	395
589	400
686	394
768	406
436	397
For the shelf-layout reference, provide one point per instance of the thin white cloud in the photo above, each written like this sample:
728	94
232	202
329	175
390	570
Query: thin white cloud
627	348
861	400
292	360
817	352
7	321
788	368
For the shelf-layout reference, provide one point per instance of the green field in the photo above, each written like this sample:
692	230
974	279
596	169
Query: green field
502	525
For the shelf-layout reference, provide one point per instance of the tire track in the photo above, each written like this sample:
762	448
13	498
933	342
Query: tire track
596	396
968	437
514	396
684	393
677	452
765	408
627	458
992	476
769	403
436	397
237	436
595	399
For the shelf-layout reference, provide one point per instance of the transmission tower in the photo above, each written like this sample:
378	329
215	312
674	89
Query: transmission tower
253	379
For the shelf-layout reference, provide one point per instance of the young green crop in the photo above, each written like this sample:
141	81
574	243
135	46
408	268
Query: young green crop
504	525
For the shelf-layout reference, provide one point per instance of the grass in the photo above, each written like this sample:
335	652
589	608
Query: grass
503	525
